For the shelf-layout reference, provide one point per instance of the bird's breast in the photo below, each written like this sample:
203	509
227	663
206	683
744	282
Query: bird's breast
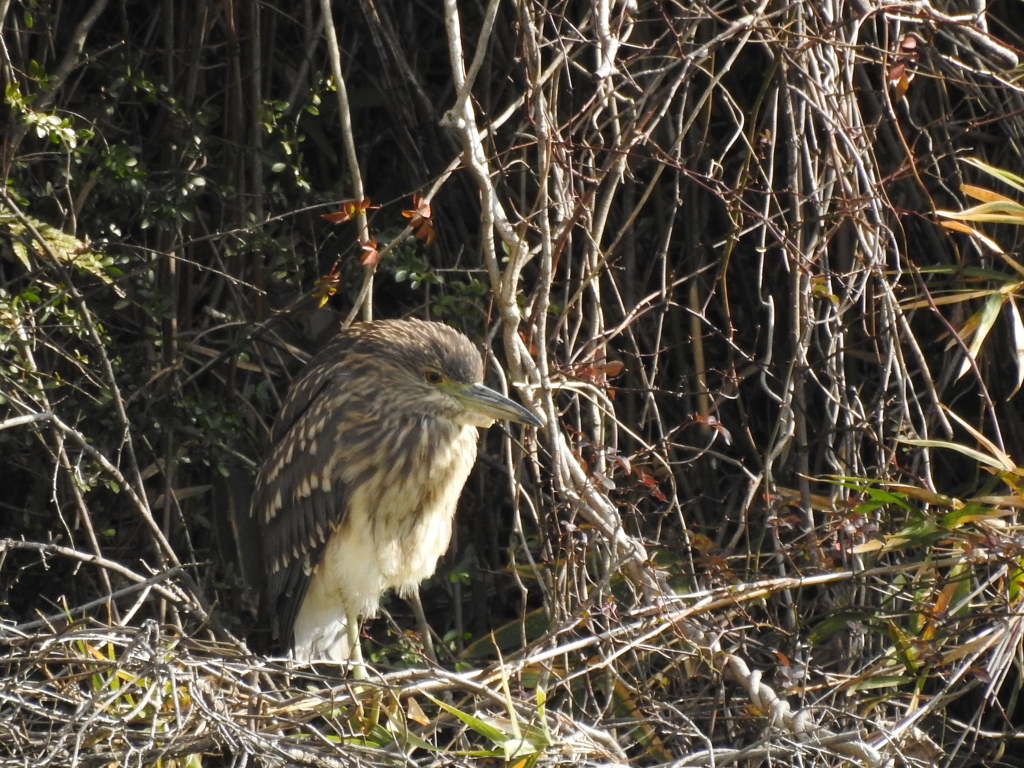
399	518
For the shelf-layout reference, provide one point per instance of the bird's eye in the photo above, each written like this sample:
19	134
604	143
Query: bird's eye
433	377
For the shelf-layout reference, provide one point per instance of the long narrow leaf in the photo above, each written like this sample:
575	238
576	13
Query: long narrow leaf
484	729
981	458
1006	177
985	195
1017	266
958	227
1018	342
986	318
1006	462
998	213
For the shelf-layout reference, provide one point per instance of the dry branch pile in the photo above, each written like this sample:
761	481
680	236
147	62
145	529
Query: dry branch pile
772	515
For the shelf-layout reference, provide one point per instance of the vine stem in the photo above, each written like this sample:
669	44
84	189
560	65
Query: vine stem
364	303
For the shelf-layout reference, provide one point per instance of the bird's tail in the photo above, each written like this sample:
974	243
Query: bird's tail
326	642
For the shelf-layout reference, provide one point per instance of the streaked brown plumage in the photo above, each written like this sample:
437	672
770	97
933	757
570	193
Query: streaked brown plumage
370	453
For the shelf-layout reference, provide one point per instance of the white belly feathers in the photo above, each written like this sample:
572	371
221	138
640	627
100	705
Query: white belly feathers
392	542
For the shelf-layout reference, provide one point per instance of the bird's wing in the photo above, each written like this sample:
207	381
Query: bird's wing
299	499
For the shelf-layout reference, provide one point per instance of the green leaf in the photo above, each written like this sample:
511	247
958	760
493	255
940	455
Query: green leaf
484	729
1005	176
1017	325
987	317
837	624
68	249
982	458
881	681
996	213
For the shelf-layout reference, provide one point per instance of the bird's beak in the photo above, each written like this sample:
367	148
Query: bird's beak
484	401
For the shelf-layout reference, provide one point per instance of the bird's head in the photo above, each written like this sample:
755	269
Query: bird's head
433	370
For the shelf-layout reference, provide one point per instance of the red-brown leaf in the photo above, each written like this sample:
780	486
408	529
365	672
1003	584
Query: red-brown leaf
370	253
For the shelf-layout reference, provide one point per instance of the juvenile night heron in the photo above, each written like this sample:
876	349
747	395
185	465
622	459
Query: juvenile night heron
370	452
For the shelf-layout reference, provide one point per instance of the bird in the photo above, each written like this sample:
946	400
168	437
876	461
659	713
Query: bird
370	451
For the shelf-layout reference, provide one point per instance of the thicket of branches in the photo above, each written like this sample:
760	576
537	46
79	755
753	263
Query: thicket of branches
773	512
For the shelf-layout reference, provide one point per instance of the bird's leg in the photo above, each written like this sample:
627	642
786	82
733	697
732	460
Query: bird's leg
421	621
355	657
